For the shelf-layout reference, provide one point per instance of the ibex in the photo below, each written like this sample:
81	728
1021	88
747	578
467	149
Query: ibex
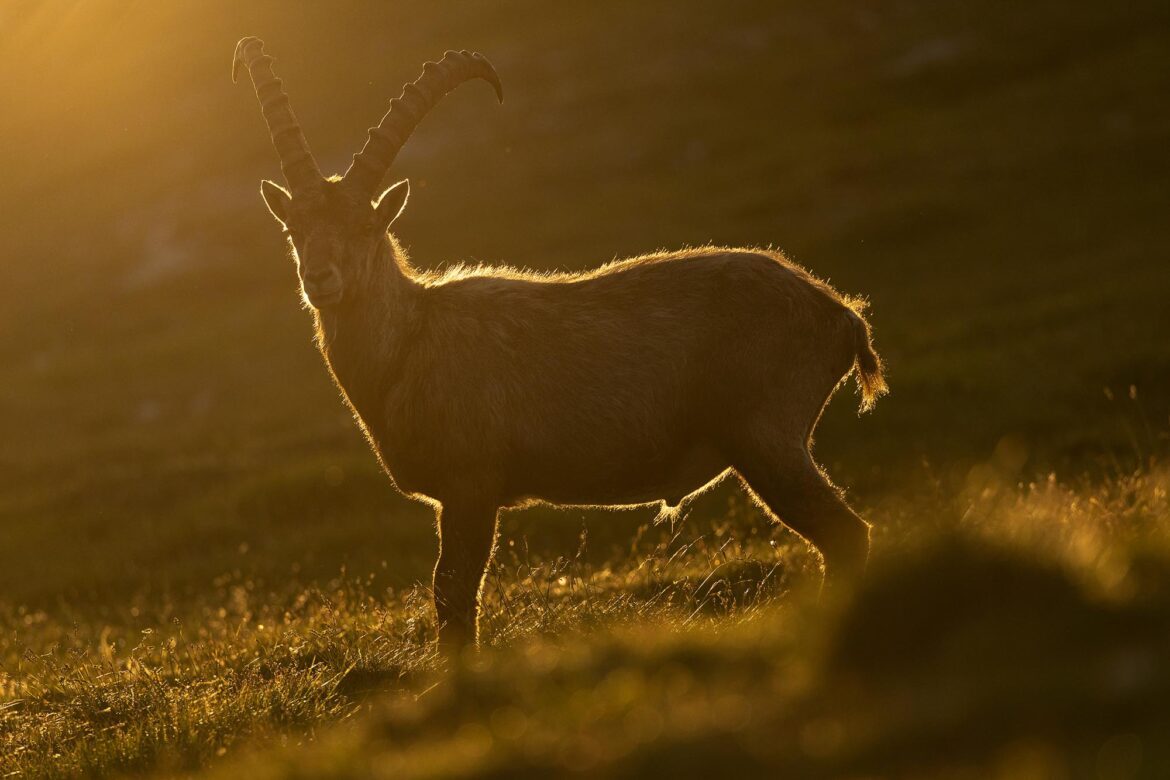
640	382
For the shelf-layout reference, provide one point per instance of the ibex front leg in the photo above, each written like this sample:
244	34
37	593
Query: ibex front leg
467	534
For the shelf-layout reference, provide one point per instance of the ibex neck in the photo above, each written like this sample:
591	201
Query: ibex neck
363	339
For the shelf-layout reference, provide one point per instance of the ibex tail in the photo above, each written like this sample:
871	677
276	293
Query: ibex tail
871	379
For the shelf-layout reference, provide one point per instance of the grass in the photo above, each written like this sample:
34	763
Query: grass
990	179
1030	633
202	571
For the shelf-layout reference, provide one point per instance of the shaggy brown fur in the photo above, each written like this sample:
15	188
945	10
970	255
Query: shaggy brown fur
640	382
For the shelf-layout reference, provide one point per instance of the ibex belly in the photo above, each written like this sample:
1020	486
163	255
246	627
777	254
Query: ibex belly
617	478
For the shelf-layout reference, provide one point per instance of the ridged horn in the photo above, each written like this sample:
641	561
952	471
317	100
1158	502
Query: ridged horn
406	111
296	160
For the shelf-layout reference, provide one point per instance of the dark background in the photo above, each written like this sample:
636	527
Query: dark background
992	176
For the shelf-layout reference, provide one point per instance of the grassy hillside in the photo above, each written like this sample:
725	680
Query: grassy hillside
174	459
993	179
1026	640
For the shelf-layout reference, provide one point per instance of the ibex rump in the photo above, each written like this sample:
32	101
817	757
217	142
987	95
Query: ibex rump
639	382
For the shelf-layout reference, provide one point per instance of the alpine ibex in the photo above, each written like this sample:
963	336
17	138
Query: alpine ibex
639	382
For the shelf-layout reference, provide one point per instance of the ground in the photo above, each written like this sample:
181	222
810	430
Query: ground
201	568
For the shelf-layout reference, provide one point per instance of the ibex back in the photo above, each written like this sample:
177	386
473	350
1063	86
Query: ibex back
640	382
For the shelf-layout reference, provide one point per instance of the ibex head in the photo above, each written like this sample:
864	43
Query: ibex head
335	224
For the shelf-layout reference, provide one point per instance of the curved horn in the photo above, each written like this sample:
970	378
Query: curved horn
296	161
406	111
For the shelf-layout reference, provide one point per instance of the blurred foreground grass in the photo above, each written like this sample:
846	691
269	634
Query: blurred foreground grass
1027	640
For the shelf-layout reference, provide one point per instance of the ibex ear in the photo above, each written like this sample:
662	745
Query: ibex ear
391	204
277	199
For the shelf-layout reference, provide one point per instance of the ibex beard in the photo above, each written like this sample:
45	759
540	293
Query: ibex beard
640	382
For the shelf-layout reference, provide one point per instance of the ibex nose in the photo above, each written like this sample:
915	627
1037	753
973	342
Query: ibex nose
319	278
323	287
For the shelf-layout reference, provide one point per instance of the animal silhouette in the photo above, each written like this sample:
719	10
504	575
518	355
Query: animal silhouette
642	381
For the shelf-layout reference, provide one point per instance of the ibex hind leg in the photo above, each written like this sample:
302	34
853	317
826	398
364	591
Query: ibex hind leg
795	491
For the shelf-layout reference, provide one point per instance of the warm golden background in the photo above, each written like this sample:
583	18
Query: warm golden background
995	177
